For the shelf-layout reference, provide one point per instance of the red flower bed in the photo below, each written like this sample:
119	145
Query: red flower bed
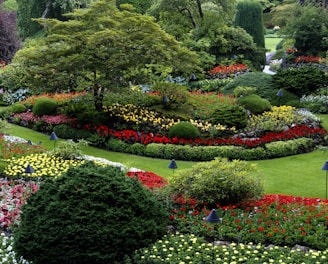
148	179
131	136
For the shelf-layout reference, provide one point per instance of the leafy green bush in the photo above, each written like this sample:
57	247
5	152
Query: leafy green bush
176	94
218	181
300	81
243	91
69	149
138	149
44	106
255	104
68	132
92	214
118	145
231	116
259	80
17	108
184	130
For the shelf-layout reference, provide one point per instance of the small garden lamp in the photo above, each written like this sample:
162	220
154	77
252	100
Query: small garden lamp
165	99
169	79
173	165
29	169
280	94
54	138
213	218
325	167
193	78
29	142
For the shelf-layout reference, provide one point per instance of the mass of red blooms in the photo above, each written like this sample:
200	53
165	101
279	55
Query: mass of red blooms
148	179
226	70
131	136
307	59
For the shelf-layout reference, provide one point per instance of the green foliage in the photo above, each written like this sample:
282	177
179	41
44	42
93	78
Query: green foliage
209	85
219	181
300	81
254	103
68	132
308	27
230	115
249	16
44	106
78	52
118	145
69	149
130	96
260	80
243	91
176	94
184	130
17	108
141	6
92	214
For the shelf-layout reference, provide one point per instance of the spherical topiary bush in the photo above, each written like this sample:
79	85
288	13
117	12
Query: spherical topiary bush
44	106
17	108
92	214
230	115
184	130
218	181
255	104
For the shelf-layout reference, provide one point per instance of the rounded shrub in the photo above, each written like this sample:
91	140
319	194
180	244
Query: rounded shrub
230	115
259	80
184	130
218	181
255	104
17	108
44	106
92	214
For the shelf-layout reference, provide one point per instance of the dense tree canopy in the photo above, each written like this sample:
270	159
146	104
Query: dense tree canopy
29	9
309	28
99	47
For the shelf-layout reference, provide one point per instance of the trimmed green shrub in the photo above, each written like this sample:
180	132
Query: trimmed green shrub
254	103
68	132
17	108
218	181
230	115
138	149
118	145
184	130
259	80
92	214
44	106
300	81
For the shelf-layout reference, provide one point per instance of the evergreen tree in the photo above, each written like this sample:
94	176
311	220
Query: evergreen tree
249	17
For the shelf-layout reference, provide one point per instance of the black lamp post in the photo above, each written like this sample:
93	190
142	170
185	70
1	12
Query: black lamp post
213	218
325	167
29	169
54	138
173	165
280	94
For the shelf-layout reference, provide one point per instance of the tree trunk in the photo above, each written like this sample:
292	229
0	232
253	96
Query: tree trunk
194	24
200	10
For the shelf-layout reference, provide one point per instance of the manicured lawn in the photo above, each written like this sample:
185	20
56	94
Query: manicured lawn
298	175
271	43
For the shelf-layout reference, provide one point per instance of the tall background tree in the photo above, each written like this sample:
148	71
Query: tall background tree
29	9
249	17
9	41
102	47
308	27
141	6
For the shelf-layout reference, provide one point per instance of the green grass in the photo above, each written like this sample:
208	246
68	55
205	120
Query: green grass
271	43
298	175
